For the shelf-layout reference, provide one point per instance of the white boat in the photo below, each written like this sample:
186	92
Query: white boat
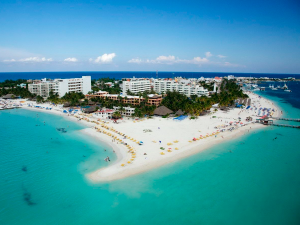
274	89
287	90
285	86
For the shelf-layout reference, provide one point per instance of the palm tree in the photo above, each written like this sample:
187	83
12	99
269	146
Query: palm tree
116	115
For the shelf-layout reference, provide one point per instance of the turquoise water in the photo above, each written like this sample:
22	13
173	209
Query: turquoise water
251	180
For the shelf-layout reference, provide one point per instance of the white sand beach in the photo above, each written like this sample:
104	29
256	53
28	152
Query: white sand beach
164	140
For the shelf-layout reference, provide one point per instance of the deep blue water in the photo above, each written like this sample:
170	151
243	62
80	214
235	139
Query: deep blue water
292	98
119	75
251	180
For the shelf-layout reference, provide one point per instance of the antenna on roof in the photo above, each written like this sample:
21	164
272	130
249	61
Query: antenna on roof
156	74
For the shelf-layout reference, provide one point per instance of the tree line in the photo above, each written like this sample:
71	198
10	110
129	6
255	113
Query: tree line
194	105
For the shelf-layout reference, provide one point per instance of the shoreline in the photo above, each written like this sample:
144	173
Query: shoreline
183	131
95	177
106	174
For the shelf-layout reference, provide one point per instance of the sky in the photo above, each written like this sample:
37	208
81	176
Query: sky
120	35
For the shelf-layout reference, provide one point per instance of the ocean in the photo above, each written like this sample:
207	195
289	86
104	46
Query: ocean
120	75
250	180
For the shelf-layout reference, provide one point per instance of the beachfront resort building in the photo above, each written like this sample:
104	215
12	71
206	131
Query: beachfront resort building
136	85
184	86
125	111
60	86
152	99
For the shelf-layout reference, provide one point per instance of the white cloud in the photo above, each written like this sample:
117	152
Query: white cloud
163	58
136	60
228	64
221	56
208	54
105	58
199	61
9	60
35	59
30	59
170	60
70	60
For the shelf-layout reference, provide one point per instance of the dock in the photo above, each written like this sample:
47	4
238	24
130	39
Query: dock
287	119
14	107
284	125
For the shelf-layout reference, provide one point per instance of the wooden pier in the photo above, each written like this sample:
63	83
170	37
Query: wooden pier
6	108
284	125
287	119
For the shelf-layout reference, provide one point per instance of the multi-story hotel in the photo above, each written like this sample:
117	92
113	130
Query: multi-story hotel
185	86
60	86
136	85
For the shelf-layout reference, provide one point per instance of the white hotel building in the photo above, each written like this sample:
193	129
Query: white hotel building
61	86
183	86
136	85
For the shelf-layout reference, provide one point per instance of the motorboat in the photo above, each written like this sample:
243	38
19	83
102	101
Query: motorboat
285	86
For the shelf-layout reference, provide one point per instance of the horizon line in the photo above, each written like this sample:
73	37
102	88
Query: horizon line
146	72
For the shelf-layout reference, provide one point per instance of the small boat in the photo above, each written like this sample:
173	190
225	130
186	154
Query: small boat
287	90
285	86
274	89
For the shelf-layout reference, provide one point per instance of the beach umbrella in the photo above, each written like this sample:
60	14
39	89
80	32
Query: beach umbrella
122	164
162	153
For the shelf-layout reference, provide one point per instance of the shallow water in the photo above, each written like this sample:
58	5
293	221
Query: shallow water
251	180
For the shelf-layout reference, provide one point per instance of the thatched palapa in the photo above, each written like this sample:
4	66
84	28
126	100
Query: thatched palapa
162	111
179	112
8	96
90	109
66	104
